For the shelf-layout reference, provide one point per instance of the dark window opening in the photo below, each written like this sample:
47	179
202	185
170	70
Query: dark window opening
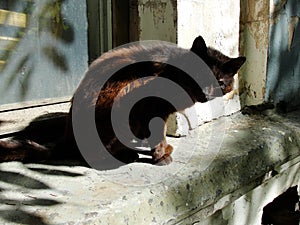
284	210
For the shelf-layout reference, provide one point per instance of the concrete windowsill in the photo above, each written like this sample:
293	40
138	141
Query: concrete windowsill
213	166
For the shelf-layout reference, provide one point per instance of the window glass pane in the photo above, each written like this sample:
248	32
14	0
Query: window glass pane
43	48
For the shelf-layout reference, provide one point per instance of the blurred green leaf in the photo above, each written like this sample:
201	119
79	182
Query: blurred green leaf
56	57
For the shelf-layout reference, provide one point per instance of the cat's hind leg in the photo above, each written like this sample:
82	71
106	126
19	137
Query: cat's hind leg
121	152
160	149
23	150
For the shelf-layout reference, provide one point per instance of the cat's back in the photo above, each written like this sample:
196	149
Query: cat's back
117	72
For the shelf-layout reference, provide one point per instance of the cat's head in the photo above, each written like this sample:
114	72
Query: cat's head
222	66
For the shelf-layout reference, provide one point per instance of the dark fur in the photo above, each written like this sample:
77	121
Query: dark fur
116	89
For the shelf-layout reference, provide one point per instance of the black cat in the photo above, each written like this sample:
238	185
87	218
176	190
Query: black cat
159	61
132	77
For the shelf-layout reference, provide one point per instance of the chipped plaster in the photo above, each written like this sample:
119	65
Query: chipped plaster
254	41
157	20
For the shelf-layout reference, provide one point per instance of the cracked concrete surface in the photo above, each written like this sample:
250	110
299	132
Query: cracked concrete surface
228	155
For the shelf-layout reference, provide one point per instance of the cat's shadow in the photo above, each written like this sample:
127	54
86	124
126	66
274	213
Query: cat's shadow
48	130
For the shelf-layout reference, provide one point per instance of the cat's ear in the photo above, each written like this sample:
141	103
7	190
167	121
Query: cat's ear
233	65
199	46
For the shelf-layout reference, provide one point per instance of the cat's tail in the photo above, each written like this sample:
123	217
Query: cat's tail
23	150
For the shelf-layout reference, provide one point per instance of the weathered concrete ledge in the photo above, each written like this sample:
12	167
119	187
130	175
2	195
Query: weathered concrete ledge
214	167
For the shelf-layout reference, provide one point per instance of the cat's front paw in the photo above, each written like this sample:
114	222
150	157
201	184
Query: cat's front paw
162	154
165	160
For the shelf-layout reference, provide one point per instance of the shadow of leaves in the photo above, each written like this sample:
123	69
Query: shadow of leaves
17	214
22	217
19	69
55	172
51	22
21	180
16	208
55	24
56	58
35	202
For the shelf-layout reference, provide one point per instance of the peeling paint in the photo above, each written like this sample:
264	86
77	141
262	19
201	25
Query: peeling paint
174	6
157	8
292	26
258	30
258	21
283	73
258	10
157	20
263	91
276	8
254	41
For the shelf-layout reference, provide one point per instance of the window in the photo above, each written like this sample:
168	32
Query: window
43	49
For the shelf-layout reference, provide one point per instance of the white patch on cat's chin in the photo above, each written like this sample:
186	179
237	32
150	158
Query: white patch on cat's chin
230	95
235	91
